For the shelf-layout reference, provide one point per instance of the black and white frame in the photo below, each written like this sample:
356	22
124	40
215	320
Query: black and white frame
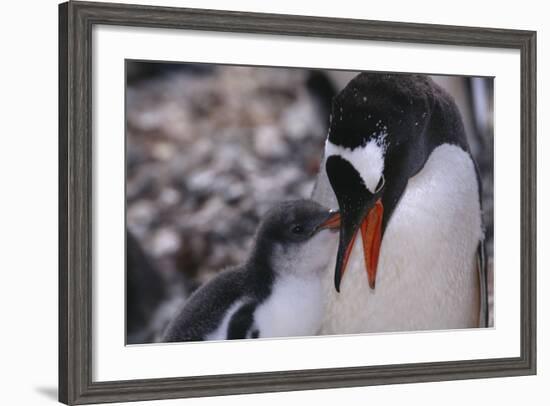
76	20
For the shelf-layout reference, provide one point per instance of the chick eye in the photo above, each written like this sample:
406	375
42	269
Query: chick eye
380	184
297	229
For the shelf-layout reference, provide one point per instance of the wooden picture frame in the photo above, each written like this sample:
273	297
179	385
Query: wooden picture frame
76	20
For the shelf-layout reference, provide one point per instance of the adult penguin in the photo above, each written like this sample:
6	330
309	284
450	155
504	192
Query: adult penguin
398	166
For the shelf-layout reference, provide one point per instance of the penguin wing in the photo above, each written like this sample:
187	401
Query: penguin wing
483	289
241	324
206	308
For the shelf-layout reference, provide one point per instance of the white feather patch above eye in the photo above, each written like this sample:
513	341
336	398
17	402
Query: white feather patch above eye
368	160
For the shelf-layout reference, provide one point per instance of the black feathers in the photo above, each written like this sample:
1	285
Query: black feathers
407	107
201	314
242	322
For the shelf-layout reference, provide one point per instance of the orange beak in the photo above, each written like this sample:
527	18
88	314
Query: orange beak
360	210
371	234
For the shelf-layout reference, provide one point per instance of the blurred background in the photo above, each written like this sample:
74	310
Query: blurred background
209	148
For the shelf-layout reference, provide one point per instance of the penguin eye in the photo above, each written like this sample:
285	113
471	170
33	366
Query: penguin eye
297	229
381	183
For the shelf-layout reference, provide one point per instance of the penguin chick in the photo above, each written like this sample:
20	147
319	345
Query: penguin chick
277	291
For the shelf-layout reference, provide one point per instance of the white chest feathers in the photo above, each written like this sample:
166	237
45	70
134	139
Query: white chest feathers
295	307
427	276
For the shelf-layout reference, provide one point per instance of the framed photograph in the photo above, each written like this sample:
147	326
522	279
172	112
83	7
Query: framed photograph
257	202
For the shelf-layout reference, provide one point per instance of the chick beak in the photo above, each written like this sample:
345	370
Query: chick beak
332	222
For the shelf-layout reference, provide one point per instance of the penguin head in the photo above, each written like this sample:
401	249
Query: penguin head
375	141
297	236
